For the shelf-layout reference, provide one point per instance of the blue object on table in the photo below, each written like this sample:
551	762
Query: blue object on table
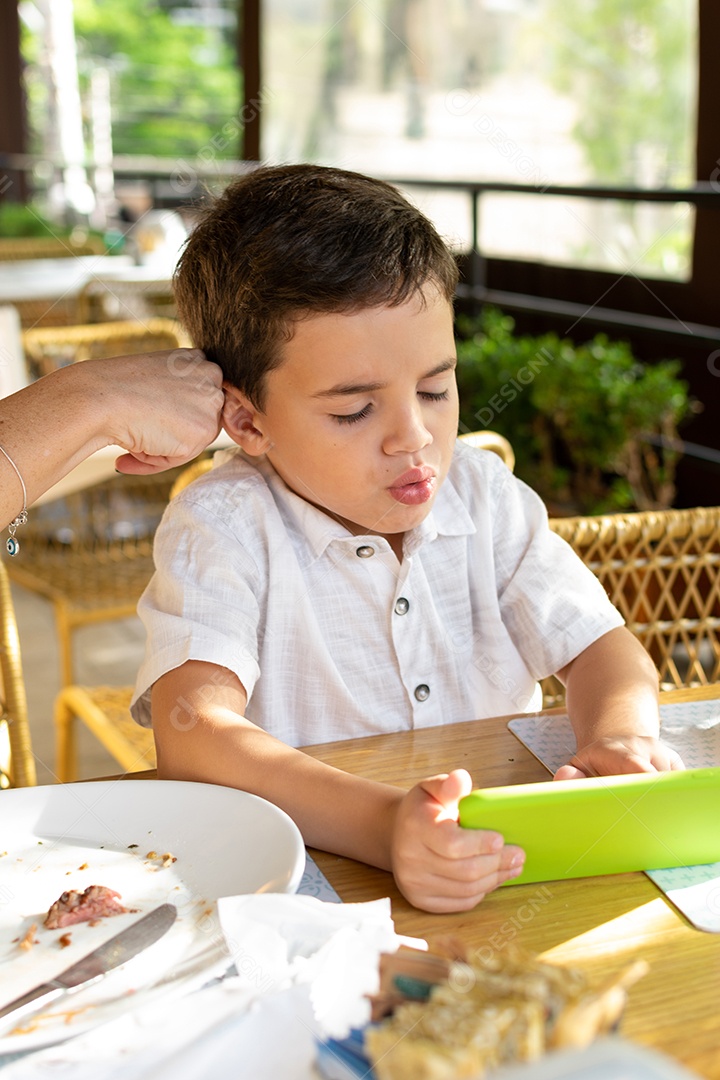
344	1059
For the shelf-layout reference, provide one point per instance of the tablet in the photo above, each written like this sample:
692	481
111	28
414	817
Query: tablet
605	824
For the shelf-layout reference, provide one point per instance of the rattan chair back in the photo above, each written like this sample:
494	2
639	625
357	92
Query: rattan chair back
13	249
661	569
105	710
48	348
491	440
109	299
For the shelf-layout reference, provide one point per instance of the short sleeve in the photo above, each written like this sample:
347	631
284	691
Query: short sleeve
551	603
202	603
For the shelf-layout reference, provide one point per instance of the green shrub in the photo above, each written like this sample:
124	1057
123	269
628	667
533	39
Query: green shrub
592	427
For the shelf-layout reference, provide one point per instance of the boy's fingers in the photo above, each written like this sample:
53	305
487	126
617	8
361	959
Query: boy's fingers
448	788
569	772
438	892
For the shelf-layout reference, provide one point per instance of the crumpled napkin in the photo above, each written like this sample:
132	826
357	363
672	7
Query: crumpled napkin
276	941
303	968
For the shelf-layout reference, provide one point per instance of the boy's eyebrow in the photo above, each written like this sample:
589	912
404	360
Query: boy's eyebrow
368	388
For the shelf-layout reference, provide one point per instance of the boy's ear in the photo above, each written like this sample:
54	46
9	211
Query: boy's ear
239	419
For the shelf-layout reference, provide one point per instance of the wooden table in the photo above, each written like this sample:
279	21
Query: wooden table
599	924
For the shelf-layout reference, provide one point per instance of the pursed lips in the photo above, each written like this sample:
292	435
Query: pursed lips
414	486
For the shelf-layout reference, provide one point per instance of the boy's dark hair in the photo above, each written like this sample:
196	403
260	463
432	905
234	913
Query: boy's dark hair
286	241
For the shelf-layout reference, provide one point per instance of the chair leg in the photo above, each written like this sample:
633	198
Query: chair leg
65	741
64	633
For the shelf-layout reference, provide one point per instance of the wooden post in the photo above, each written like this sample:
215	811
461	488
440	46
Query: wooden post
13	120
249	51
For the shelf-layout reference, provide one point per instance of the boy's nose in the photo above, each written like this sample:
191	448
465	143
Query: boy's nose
407	433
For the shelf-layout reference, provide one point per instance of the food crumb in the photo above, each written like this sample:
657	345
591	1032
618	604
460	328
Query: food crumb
130	846
29	940
83	866
64	941
166	859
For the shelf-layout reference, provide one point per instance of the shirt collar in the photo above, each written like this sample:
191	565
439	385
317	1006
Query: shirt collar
312	531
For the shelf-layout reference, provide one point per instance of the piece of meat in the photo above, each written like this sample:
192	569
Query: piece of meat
94	903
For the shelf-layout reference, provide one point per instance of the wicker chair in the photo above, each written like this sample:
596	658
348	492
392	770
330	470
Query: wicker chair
48	247
661	569
105	710
48	348
17	764
106	299
491	440
90	554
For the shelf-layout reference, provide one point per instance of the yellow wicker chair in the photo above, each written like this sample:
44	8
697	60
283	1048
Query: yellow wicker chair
661	569
90	554
492	440
17	764
105	710
105	299
48	348
48	247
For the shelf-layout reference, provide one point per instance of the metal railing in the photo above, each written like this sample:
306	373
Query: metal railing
178	182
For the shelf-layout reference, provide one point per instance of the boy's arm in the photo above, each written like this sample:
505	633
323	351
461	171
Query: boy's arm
612	702
201	734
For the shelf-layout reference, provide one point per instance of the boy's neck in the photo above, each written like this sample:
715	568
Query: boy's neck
395	540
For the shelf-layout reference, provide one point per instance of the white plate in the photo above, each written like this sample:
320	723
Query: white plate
69	836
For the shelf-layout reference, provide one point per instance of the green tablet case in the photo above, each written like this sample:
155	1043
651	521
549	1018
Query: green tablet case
605	824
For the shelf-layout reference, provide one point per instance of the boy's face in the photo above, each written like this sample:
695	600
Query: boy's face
361	416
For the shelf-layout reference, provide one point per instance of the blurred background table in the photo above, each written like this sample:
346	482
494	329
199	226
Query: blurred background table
76	289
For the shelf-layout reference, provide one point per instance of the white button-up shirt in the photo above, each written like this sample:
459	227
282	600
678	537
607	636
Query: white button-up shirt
333	638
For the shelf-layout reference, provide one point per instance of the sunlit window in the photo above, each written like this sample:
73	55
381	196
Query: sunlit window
528	91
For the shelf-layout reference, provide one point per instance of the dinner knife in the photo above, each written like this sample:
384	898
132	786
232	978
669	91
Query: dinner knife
115	951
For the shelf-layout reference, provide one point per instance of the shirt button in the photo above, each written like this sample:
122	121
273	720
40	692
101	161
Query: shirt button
365	552
402	606
422	692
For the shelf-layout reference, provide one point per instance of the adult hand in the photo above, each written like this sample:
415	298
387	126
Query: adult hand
613	755
164	408
438	865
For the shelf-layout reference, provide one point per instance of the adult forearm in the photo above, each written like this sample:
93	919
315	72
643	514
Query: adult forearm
47	429
163	408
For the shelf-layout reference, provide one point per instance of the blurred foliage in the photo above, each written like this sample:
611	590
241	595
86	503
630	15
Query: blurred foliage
176	86
25	220
17	219
592	427
623	62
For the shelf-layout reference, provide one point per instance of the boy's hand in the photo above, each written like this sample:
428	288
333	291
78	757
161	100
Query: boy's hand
439	866
613	755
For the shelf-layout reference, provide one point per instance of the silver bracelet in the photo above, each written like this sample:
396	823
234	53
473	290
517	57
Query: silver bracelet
11	543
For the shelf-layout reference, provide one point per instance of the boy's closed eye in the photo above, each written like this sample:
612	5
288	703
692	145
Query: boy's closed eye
353	418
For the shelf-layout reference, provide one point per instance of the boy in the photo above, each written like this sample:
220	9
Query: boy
355	570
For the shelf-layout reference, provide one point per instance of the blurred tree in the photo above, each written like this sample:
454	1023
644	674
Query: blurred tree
176	85
629	66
